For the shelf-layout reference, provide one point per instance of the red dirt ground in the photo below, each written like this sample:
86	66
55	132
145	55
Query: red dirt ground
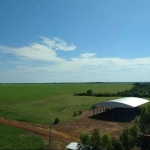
64	133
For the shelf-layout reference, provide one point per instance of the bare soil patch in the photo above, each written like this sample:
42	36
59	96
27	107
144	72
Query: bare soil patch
87	123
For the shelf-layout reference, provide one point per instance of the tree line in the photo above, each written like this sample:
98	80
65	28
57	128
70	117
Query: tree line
125	141
138	90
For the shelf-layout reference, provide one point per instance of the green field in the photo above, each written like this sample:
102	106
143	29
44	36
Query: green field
13	138
42	103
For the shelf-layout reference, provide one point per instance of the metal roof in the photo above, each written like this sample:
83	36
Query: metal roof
126	102
72	146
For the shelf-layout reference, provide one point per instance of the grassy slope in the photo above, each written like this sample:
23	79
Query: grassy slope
44	102
13	138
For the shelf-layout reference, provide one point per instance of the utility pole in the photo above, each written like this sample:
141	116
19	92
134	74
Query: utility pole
50	126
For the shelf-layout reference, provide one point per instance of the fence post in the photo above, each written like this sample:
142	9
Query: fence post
50	126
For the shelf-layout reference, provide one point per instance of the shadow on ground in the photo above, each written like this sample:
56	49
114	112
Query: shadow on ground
114	117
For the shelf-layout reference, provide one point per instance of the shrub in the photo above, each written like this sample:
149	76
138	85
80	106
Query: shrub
93	107
80	112
56	120
74	114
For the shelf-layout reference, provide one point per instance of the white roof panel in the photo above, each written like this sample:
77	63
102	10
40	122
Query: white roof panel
72	146
126	102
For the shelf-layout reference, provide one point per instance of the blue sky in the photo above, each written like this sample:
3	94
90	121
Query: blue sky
74	41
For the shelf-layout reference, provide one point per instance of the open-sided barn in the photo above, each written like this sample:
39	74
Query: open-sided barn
122	104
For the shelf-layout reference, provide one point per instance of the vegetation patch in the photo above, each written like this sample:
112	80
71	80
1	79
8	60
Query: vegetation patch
13	138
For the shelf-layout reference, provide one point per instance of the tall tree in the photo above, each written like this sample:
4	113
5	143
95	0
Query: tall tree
127	139
106	142
145	120
116	143
96	140
134	131
85	138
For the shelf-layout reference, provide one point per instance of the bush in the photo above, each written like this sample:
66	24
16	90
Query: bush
74	114
93	107
80	112
56	120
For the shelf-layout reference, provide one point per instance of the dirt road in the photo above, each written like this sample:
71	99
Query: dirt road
39	129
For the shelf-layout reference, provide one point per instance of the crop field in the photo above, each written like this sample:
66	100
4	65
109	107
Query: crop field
42	103
13	138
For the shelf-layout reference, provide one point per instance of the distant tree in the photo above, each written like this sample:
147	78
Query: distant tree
89	92
137	90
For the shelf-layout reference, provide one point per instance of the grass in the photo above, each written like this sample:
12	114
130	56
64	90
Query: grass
42	103
12	138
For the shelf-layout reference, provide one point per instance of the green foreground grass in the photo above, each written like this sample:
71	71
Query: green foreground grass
16	139
42	103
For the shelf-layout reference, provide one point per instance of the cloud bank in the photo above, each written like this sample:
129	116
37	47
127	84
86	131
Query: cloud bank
39	62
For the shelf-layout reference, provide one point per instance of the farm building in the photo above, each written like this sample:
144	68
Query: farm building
127	105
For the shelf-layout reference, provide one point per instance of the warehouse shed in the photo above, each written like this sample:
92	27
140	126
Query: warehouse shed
127	103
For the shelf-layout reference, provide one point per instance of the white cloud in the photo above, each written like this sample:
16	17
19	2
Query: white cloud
99	65
92	65
87	55
43	52
58	44
34	52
